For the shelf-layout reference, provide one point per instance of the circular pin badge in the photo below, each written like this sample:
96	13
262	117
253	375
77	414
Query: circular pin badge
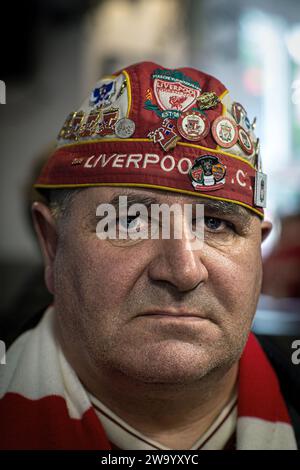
207	173
193	125
124	128
238	111
224	131
244	141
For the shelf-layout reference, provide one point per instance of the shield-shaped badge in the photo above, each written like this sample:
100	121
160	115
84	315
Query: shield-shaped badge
174	95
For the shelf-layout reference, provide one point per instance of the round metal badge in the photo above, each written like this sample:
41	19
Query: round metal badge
244	141
207	173
237	111
124	128
193	125
240	115
224	131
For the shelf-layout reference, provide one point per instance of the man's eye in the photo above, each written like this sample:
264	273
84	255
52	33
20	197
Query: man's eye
217	225
130	222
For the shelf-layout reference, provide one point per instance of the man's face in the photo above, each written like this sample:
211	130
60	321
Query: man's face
113	296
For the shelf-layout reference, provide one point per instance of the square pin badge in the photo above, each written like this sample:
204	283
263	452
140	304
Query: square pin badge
260	189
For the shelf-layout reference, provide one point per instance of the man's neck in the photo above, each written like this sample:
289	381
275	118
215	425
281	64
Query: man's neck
173	415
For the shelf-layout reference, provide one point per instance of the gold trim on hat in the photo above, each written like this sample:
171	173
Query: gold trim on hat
129	95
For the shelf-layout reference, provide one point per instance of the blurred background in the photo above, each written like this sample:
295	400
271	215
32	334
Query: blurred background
52	53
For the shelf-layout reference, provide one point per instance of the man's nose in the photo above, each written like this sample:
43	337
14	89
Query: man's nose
178	263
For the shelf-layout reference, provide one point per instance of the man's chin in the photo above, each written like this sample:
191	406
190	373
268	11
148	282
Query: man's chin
170	377
172	365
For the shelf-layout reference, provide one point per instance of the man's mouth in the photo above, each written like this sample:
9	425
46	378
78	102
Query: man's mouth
174	314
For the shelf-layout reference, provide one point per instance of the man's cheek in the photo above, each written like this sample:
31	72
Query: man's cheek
92	277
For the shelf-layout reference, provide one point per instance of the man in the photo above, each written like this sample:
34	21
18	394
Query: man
147	344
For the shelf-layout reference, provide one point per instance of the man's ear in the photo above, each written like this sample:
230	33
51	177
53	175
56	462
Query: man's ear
46	230
266	227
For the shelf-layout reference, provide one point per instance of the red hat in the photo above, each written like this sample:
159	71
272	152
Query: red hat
152	127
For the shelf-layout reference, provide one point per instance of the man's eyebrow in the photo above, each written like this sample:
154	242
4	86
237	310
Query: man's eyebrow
133	198
224	208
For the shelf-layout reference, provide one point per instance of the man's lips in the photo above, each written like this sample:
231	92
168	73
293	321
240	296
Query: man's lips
175	314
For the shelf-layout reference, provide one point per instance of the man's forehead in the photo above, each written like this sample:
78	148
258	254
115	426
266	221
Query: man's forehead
157	195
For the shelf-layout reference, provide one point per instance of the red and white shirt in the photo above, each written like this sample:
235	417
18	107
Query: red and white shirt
123	436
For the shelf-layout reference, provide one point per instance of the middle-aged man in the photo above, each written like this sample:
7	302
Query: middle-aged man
147	344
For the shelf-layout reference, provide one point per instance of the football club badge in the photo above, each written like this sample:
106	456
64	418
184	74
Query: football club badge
224	131
237	111
244	141
101	96
107	125
208	100
70	130
87	128
174	92
240	115
124	128
193	125
165	135
207	173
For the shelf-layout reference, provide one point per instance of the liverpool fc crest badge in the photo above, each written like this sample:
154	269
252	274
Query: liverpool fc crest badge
174	93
